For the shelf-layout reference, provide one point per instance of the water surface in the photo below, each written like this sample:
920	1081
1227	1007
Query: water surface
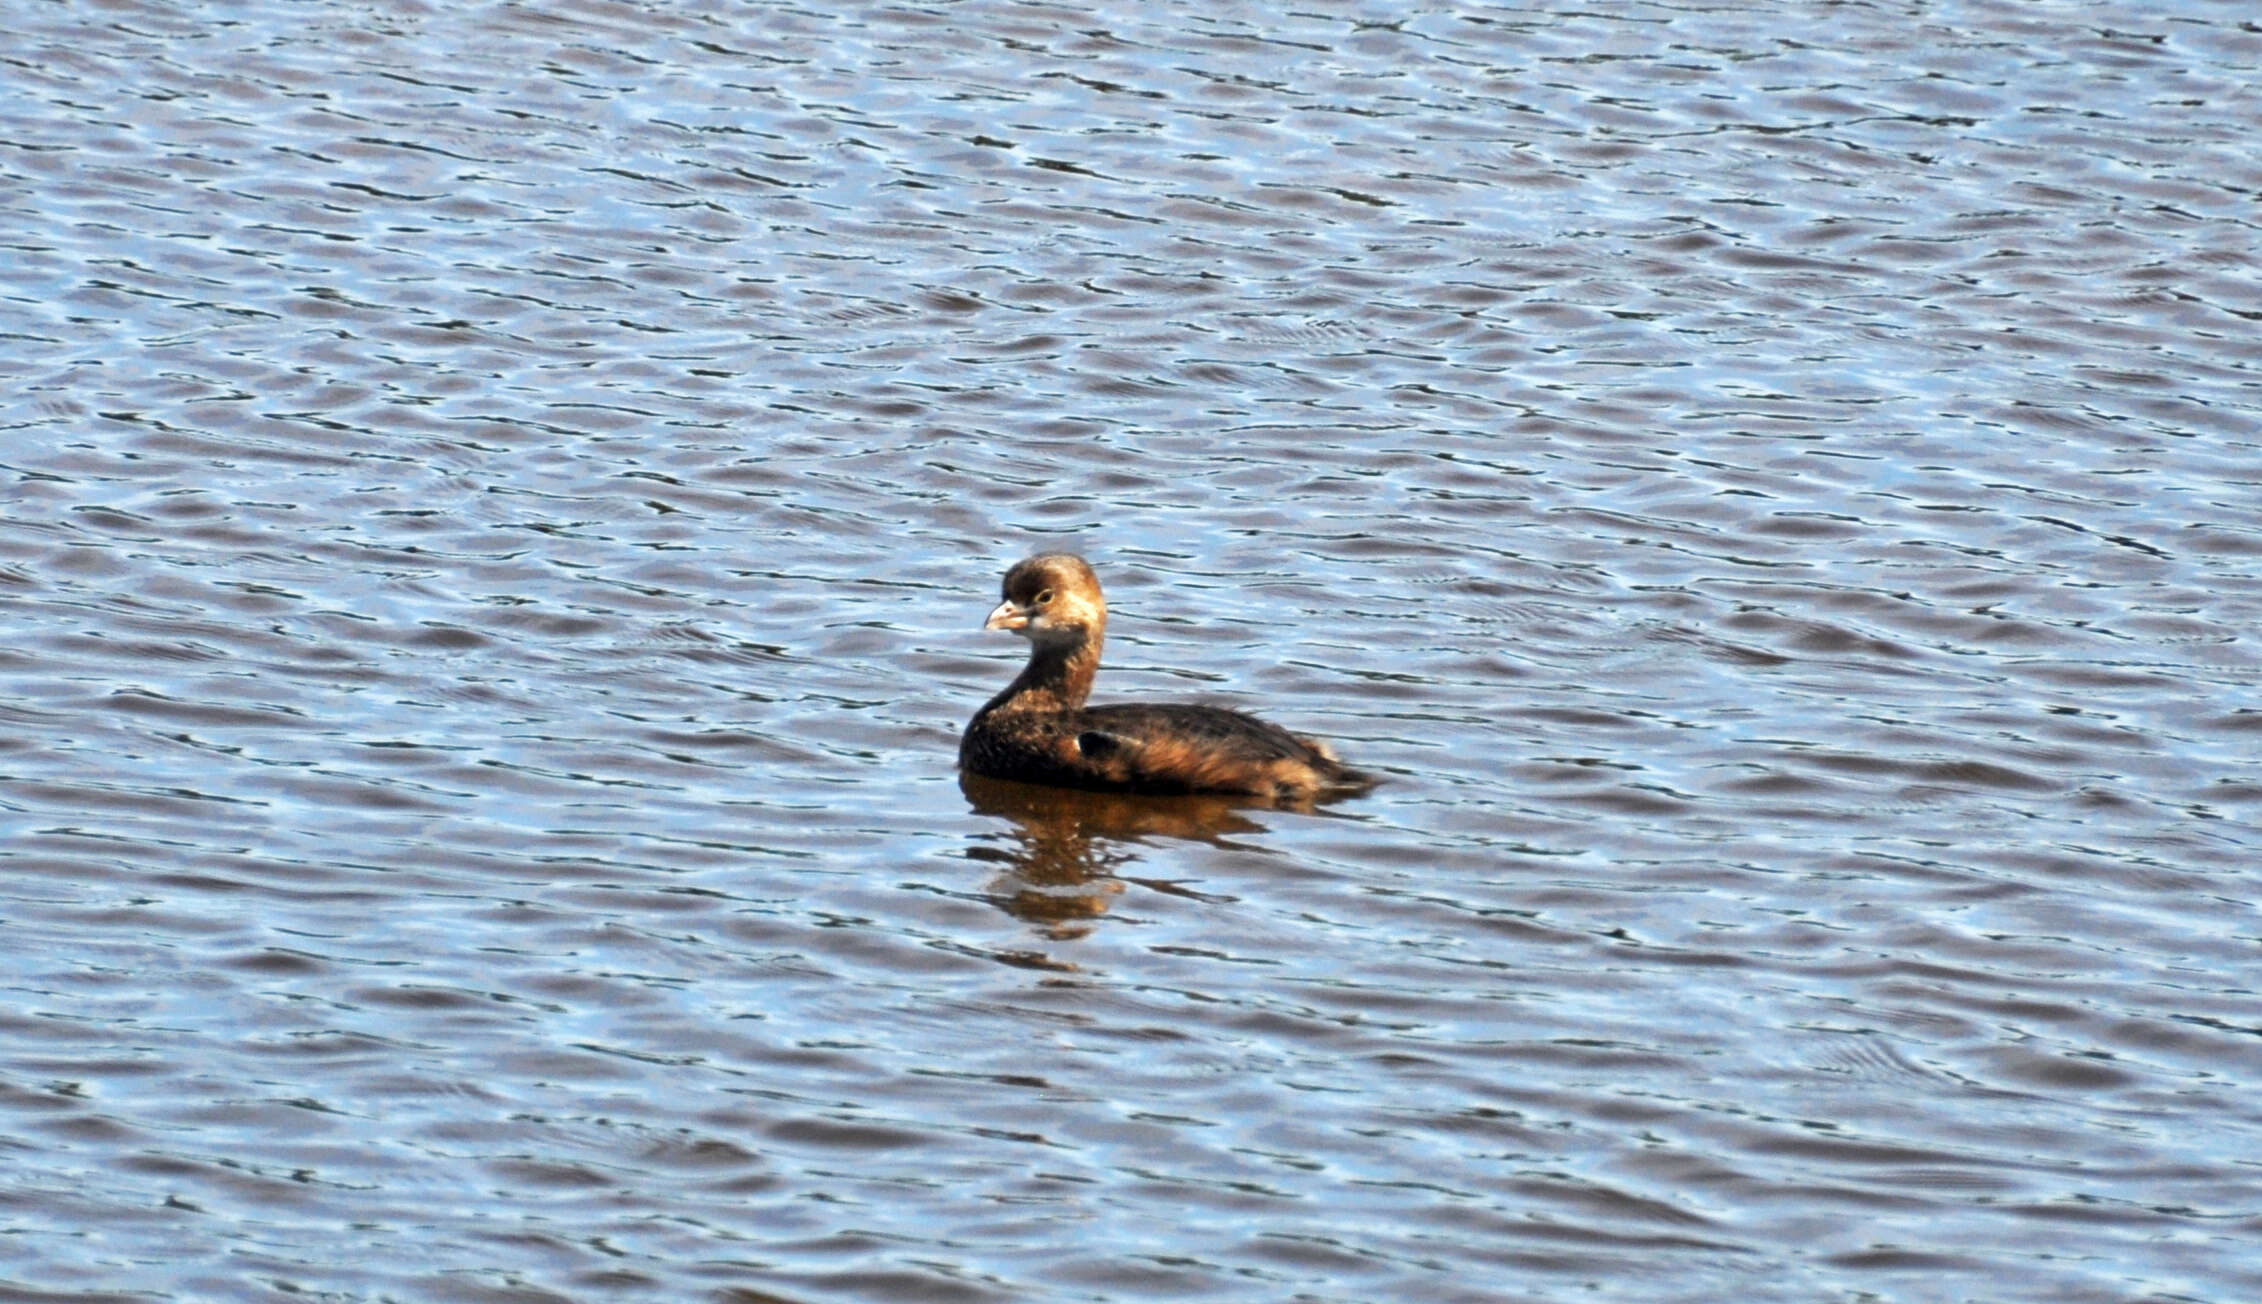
500	503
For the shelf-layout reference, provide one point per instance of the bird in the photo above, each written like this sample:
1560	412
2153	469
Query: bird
1039	730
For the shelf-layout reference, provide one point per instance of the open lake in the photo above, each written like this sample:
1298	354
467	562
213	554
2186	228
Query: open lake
498	502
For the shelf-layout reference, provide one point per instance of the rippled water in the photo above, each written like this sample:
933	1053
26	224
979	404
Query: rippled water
501	499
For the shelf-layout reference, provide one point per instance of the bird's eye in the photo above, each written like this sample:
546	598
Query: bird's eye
1044	596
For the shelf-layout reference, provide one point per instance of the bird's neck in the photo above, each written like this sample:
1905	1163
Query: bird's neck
1057	678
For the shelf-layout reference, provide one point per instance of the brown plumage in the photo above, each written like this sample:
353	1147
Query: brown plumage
1039	730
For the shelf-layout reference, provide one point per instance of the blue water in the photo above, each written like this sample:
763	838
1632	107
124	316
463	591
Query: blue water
501	504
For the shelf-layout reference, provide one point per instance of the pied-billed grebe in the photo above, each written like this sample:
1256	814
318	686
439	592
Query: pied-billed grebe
1039	730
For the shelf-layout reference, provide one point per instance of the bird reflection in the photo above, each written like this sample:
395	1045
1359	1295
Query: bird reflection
1059	862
